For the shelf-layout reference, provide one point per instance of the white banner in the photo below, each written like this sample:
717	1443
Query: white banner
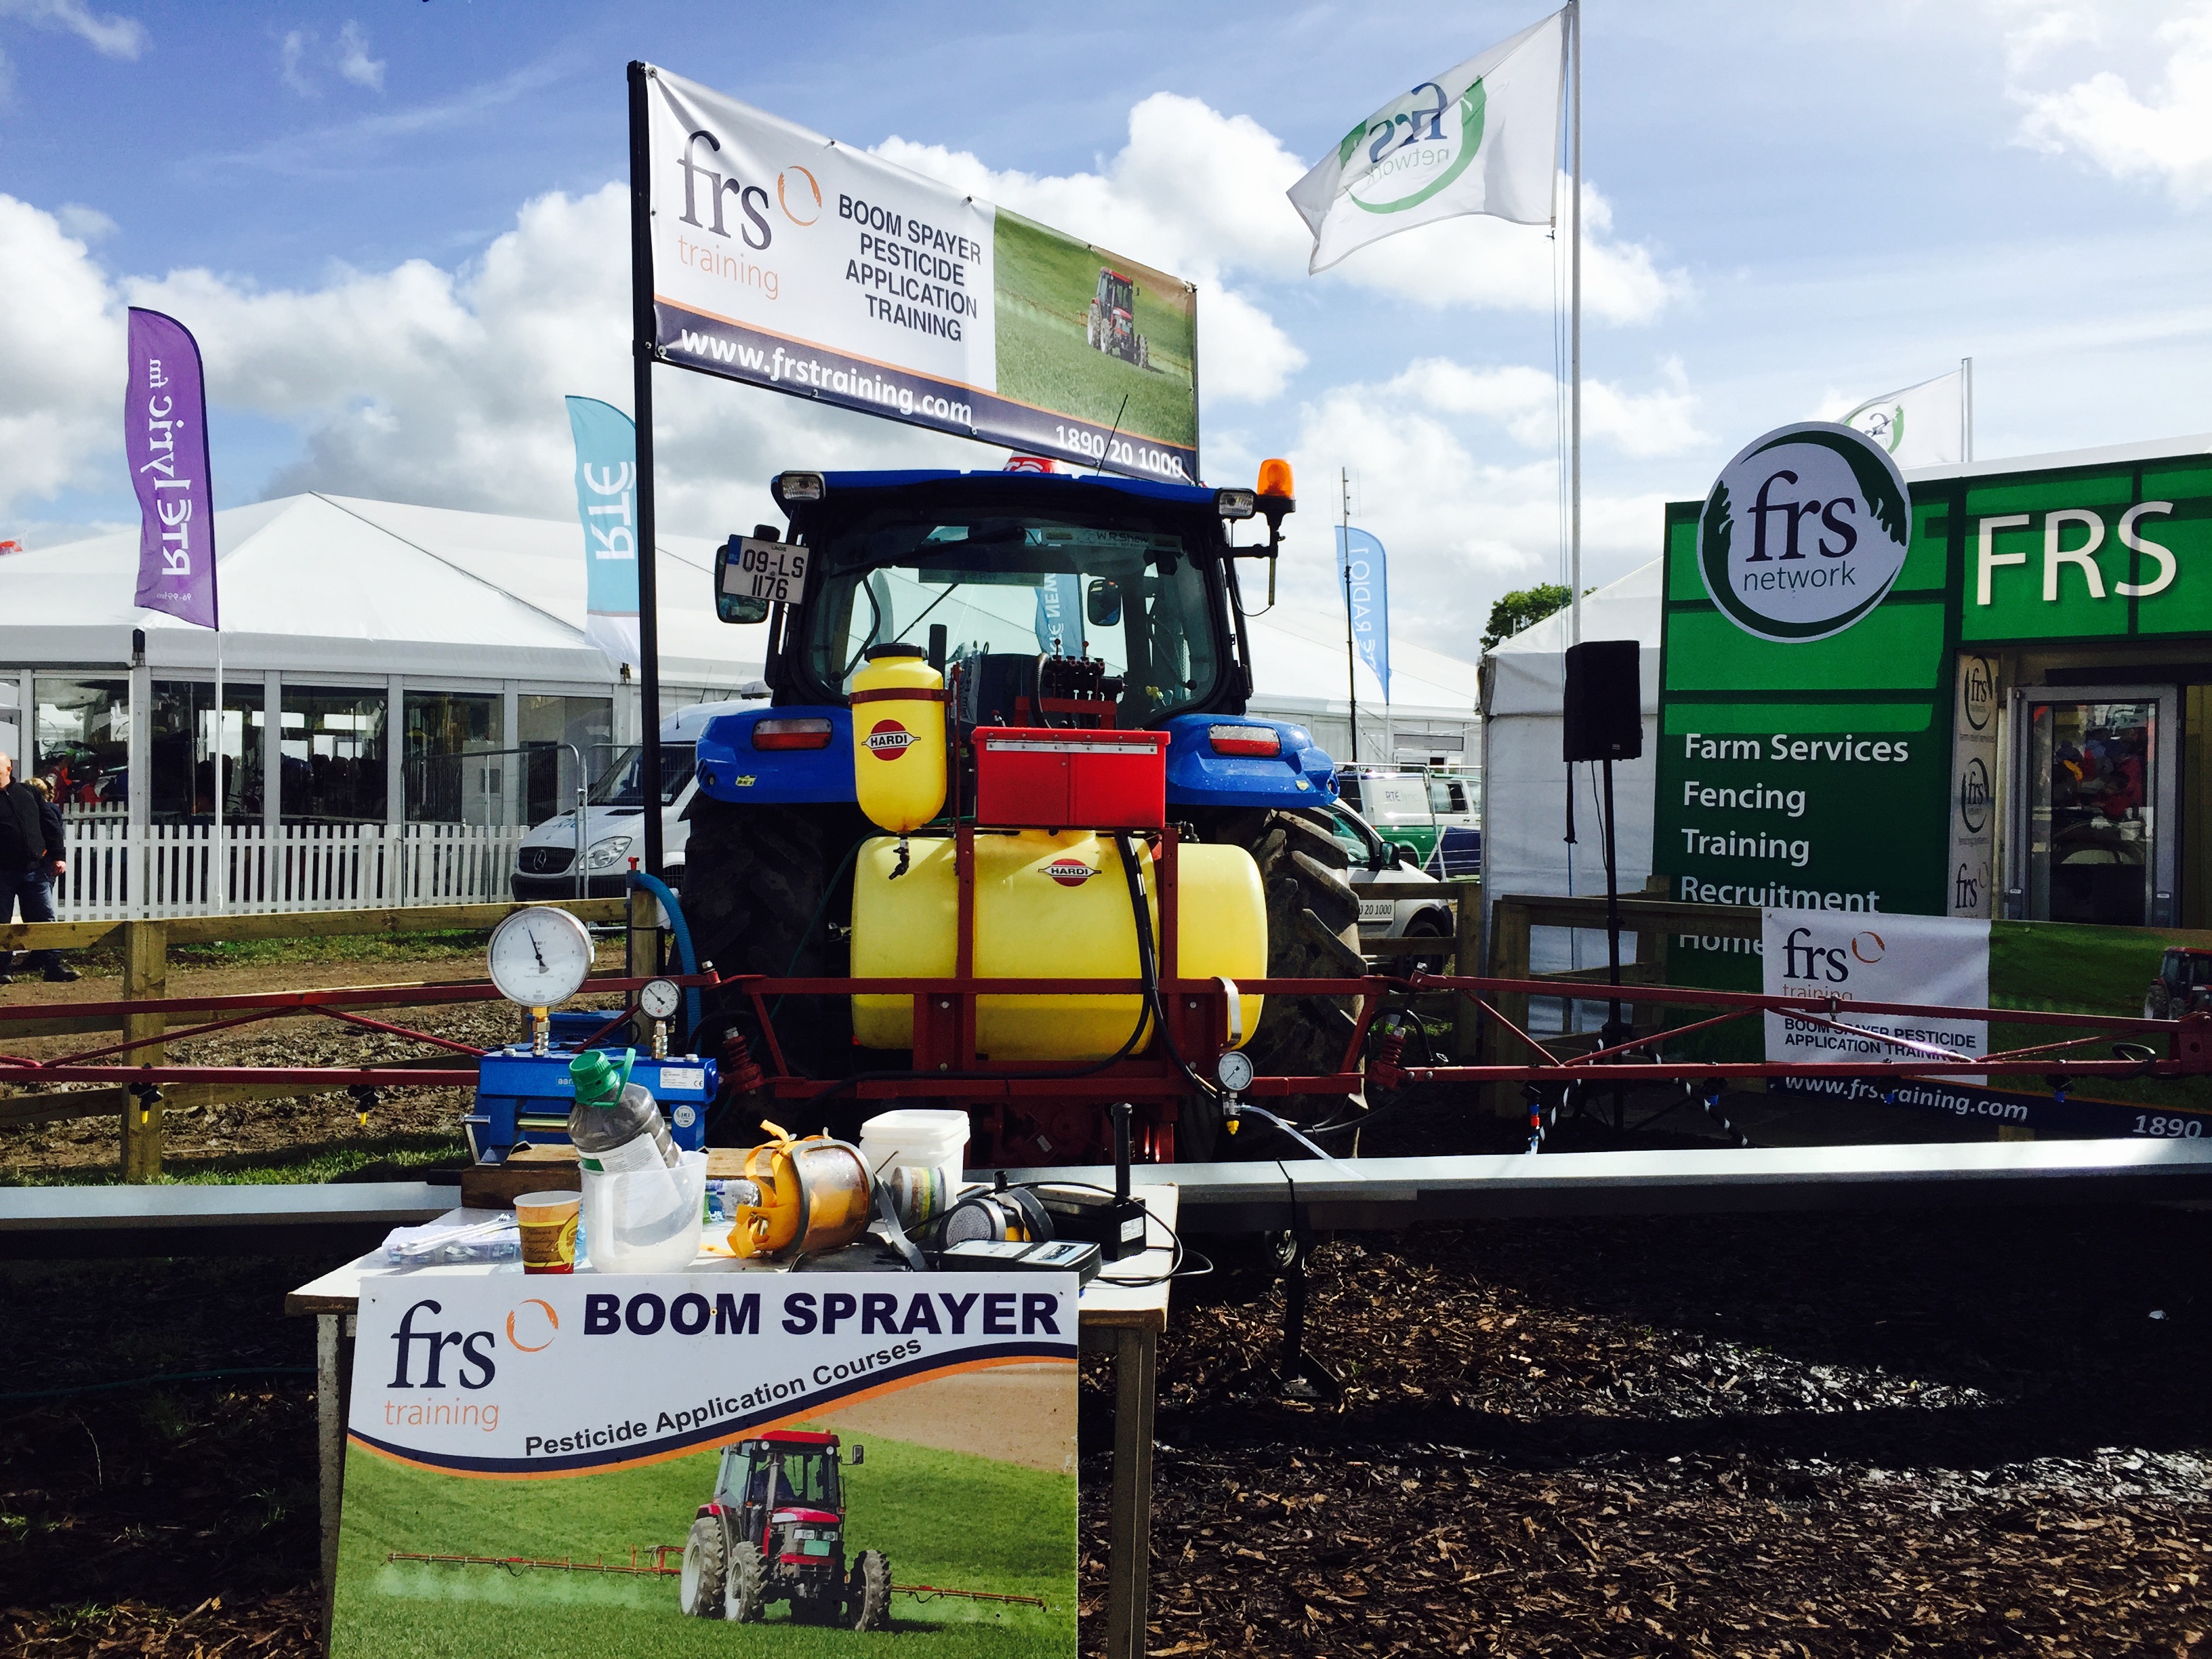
1924	425
547	1374
788	260
1820	956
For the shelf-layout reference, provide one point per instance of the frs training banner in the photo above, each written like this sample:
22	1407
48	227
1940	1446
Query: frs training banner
1363	571
785	259
165	440
547	1464
606	502
1859	956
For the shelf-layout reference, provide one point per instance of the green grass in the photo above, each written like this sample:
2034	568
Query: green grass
944	1517
380	1157
1044	288
107	958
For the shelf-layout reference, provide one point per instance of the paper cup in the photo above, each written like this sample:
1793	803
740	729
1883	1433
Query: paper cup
548	1224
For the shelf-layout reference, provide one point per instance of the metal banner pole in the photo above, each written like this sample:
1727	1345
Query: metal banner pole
643	349
1575	346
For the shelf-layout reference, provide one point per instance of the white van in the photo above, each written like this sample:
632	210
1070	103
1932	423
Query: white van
545	862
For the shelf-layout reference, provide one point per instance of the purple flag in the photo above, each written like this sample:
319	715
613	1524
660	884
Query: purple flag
165	439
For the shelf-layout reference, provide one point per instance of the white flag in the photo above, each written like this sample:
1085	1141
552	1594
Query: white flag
1480	138
1923	425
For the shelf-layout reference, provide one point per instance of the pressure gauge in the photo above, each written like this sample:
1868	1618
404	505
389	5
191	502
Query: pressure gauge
1234	1069
540	956
660	999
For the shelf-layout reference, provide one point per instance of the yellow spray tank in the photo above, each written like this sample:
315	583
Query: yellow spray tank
898	738
1048	905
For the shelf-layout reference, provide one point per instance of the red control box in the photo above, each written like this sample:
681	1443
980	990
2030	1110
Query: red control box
1042	778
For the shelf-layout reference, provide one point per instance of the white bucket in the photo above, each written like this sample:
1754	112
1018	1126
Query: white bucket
917	1139
645	1221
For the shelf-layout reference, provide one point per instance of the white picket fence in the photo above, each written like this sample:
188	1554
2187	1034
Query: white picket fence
116	873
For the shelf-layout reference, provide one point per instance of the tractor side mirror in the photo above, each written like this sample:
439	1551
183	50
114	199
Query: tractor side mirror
859	1456
1102	604
730	604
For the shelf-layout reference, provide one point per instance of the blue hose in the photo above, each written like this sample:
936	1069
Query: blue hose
692	1007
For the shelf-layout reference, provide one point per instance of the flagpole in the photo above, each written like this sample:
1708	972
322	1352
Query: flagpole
218	877
1966	413
1575	341
1343	558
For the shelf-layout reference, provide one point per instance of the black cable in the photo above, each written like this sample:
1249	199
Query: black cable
1182	1250
1148	966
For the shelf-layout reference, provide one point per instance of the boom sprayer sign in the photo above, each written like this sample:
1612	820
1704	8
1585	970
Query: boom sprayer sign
1804	532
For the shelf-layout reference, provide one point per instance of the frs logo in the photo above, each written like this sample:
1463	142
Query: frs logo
889	740
1069	872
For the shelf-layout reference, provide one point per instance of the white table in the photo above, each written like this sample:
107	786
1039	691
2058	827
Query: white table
1115	1318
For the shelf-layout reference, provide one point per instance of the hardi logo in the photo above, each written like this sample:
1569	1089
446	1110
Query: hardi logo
1804	532
1974	796
888	740
1070	873
1413	148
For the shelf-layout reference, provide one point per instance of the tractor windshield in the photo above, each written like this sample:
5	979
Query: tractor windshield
1114	291
806	1478
1133	595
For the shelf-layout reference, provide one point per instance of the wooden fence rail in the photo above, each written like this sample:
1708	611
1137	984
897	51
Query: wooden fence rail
146	946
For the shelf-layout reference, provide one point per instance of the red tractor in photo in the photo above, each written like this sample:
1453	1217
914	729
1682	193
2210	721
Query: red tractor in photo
1112	325
775	1531
2183	984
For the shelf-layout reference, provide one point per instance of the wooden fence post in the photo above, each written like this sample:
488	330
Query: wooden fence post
1509	959
1466	958
145	974
644	948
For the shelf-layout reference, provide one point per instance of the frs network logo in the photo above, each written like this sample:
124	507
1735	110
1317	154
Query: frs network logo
1415	148
1805	532
888	740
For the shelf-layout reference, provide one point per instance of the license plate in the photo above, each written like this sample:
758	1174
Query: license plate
1378	909
766	570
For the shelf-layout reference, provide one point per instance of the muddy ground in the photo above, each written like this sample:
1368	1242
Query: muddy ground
1982	1432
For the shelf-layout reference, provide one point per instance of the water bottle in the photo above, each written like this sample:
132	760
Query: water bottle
616	1124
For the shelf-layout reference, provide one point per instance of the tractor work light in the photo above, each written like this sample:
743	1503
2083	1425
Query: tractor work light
807	486
792	734
1233	503
1262	741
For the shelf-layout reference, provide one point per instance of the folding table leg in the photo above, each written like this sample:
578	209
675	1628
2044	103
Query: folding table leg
1129	1527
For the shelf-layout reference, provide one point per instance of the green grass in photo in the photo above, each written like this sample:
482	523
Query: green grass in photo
945	1518
1045	284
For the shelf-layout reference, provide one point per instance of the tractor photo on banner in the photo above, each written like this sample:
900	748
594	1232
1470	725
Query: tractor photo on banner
785	259
630	1464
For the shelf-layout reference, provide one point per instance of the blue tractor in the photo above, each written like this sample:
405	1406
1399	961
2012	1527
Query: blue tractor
1050	600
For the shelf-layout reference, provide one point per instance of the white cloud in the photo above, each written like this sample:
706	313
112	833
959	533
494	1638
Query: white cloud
61	359
2164	136
86	224
291	59
111	36
354	62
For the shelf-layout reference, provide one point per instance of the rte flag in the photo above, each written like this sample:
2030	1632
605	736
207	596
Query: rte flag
165	441
1363	573
1483	137
606	502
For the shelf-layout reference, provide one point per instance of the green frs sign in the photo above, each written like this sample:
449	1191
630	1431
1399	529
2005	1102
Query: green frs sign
1811	715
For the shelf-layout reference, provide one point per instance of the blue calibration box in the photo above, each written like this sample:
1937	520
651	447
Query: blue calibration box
524	1099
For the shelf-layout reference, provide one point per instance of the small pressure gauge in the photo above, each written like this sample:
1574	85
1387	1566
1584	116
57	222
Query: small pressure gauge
1234	1069
660	999
540	956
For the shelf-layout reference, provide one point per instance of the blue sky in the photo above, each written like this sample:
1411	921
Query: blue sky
389	220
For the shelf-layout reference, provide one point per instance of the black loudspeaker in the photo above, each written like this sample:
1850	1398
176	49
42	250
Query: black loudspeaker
1604	707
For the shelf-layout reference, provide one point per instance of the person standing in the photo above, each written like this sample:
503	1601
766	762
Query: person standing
32	845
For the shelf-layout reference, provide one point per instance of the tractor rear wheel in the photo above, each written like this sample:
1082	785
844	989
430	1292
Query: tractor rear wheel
742	1603
699	1591
1313	932
868	1592
764	886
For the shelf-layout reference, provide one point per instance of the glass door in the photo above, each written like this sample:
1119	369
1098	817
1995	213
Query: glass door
2094	823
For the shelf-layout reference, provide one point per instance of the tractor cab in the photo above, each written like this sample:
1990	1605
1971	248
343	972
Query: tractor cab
2183	984
1111	326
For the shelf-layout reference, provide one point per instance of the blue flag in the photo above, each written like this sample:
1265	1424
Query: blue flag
1060	616
1367	592
606	501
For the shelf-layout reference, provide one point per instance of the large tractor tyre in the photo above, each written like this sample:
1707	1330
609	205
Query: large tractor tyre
760	899
699	1591
868	1592
742	1600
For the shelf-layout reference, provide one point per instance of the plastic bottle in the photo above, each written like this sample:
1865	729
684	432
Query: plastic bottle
615	1124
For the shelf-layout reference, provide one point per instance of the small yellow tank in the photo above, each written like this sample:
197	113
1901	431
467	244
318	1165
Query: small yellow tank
898	738
1047	906
814	1195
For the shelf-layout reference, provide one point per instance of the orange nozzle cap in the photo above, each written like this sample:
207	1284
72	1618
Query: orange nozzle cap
1275	478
